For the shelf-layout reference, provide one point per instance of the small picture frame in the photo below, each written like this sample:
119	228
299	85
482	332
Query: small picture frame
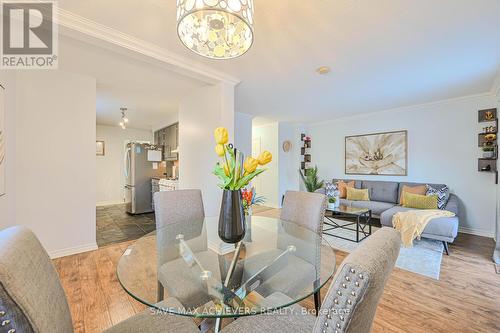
99	148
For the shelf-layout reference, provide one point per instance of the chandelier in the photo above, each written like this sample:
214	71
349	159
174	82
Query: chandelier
216	29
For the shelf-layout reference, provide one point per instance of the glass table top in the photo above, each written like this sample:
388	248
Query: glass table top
277	264
343	209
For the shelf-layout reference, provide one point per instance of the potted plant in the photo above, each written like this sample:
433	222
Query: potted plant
311	180
332	203
234	172
488	152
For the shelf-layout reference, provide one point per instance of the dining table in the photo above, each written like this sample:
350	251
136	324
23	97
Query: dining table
277	264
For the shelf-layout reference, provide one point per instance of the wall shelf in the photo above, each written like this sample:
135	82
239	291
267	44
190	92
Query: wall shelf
306	156
488	164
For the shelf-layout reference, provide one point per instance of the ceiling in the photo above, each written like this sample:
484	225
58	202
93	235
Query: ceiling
382	53
151	93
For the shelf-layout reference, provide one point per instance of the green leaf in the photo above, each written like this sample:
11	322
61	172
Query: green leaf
219	172
245	180
311	180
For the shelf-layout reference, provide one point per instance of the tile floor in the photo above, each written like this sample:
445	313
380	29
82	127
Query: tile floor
114	225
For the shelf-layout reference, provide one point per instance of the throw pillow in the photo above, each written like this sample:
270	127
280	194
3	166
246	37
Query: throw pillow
342	186
330	189
357	195
418	201
419	189
442	195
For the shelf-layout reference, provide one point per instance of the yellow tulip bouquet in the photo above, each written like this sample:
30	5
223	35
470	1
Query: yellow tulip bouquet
234	171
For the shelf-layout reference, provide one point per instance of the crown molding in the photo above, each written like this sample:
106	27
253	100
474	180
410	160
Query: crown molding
79	27
405	108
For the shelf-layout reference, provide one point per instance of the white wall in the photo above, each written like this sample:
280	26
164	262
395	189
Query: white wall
110	181
267	183
199	114
8	200
167	120
289	163
243	132
443	148
51	174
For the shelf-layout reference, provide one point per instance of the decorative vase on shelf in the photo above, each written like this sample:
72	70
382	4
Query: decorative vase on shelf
232	217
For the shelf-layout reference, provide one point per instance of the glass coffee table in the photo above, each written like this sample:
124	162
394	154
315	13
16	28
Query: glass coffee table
357	220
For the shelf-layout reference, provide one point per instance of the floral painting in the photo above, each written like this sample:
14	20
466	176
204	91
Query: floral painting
2	142
377	154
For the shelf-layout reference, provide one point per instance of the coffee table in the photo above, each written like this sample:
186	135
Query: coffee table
362	221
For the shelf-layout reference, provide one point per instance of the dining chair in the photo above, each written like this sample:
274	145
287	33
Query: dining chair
182	212
33	300
351	301
305	210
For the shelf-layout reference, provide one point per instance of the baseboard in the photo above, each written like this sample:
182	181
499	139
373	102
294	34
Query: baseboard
109	203
72	250
476	232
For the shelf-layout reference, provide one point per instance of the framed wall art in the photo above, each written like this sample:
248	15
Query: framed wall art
377	154
99	148
3	147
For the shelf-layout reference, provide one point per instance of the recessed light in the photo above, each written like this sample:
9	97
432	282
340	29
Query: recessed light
323	70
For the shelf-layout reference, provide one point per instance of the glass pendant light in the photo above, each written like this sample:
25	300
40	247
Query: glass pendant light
216	29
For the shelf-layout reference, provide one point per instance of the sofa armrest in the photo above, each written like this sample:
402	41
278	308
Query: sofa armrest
452	204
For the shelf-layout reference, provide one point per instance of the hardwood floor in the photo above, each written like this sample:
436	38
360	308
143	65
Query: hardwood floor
465	299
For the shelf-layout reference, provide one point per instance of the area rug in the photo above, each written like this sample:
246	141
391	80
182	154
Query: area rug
423	258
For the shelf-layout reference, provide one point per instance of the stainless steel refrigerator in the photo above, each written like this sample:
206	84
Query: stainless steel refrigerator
138	174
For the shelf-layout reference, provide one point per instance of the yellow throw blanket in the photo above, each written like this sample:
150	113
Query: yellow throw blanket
412	223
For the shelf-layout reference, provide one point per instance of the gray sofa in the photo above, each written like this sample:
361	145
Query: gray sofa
384	197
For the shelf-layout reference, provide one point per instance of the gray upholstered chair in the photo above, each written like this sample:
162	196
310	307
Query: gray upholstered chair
306	210
351	301
176	213
33	300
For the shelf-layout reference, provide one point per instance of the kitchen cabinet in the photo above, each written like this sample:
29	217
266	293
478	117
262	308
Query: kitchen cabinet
168	139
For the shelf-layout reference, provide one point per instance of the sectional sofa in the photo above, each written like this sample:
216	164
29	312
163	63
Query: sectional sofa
384	198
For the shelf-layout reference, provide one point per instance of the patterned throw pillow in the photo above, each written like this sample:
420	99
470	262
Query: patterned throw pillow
330	189
442	194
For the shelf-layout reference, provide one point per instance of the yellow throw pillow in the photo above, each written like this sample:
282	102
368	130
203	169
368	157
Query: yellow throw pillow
419	189
418	201
357	195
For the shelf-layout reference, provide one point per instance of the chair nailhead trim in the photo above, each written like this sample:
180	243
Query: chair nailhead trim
5	322
2	313
338	325
12	330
